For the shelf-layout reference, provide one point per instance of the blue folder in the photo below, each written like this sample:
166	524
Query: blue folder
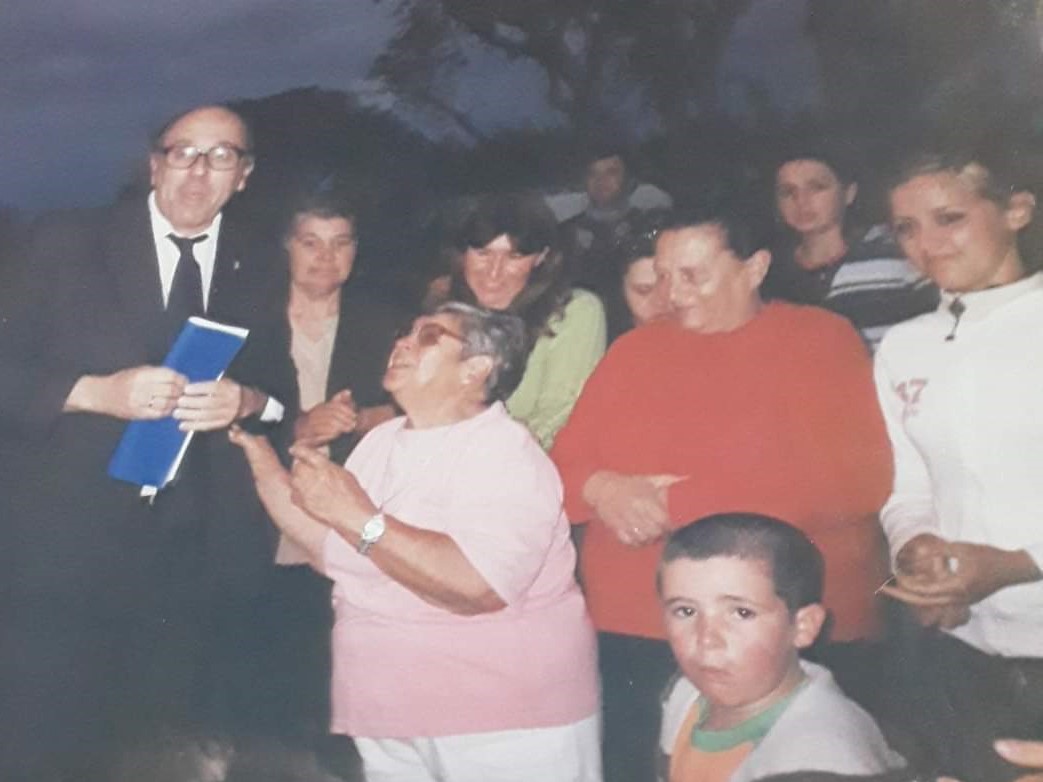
149	453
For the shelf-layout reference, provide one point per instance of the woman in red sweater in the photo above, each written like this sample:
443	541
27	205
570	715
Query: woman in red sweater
728	405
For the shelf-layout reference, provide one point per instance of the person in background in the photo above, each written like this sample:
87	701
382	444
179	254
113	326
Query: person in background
826	260
726	403
590	237
462	645
341	335
959	388
638	296
506	257
741	597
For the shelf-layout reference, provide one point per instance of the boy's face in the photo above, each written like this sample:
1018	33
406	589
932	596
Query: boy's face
732	635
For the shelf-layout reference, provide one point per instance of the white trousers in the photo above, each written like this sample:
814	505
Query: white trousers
566	753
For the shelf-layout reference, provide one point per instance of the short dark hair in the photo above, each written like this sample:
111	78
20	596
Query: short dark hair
531	227
499	335
524	217
744	231
640	241
834	153
606	150
796	563
326	204
161	132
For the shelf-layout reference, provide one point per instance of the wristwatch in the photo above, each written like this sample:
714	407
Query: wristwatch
372	531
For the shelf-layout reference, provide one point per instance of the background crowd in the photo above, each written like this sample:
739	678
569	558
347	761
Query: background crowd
481	585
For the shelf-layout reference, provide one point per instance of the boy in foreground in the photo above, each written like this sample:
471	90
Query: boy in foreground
741	596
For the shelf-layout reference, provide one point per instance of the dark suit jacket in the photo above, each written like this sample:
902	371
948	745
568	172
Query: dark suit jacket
89	301
366	332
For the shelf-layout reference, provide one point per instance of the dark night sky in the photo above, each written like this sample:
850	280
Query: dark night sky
83	82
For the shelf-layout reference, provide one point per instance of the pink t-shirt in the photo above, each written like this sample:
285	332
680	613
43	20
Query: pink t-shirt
405	668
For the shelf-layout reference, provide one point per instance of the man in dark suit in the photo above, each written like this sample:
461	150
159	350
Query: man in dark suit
118	613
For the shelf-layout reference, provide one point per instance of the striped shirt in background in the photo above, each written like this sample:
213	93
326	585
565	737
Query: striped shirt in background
873	285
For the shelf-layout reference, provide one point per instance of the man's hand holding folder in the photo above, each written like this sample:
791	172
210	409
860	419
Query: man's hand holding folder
216	404
138	393
152	447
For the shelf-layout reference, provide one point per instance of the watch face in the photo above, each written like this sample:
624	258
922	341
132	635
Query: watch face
373	529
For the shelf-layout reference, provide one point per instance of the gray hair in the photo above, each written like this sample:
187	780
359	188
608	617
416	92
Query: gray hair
499	335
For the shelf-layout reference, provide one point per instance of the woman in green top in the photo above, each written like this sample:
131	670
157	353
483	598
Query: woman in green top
506	257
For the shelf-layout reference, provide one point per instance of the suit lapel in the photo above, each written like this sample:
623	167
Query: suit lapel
130	257
228	273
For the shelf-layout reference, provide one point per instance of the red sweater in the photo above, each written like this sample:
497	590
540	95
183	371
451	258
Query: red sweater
777	417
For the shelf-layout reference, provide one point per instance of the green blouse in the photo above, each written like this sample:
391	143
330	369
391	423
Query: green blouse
559	366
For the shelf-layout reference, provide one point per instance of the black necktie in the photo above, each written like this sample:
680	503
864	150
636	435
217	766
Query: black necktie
186	290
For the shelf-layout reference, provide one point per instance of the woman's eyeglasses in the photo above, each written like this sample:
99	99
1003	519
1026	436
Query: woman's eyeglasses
428	334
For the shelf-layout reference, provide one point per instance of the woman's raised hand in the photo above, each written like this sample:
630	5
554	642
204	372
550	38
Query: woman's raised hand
326	490
259	453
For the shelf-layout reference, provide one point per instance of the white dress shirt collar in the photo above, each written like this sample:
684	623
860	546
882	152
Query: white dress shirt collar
168	254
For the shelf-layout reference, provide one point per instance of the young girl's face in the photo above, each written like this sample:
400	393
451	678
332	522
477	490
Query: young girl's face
956	236
733	636
645	296
810	197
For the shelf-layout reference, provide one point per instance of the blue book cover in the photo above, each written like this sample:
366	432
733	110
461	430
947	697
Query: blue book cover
150	452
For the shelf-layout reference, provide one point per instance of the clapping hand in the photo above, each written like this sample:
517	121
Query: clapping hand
326	490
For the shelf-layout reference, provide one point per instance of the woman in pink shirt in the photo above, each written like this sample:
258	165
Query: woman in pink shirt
462	647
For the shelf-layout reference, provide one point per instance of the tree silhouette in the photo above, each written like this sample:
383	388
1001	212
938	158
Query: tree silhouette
594	54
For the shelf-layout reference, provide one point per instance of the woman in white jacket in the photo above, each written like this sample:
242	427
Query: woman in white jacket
960	388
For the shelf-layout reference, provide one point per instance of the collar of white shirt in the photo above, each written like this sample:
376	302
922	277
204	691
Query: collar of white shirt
168	254
979	304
